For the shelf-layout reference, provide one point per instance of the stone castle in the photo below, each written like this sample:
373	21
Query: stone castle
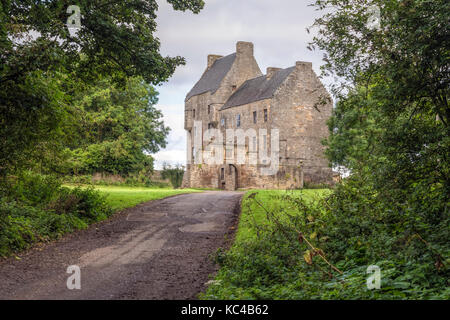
233	94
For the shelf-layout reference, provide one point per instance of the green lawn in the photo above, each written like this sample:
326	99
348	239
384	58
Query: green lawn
120	197
247	221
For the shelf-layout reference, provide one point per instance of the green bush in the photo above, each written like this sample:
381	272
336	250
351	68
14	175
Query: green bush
34	189
174	174
348	231
36	208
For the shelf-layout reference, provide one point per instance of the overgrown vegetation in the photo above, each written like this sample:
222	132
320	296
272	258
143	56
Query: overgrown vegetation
299	245
36	208
174	174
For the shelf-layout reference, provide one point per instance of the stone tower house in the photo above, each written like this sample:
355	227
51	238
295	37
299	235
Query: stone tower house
277	118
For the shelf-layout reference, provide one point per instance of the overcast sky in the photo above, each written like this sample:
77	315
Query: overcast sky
277	29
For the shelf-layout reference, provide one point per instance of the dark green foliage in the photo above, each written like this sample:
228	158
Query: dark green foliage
174	174
116	130
36	208
352	229
42	75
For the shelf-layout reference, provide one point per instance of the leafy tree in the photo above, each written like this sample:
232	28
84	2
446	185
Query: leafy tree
117	128
395	79
42	64
390	127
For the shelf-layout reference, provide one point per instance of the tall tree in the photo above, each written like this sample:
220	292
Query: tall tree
395	78
117	128
40	61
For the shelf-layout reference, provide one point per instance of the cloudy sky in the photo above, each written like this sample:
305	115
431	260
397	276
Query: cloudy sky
277	29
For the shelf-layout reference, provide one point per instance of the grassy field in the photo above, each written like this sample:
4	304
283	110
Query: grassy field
253	214
120	197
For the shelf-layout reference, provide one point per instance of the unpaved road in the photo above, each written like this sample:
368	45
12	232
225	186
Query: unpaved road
157	250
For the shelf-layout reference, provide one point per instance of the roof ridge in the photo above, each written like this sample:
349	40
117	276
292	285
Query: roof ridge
257	89
212	78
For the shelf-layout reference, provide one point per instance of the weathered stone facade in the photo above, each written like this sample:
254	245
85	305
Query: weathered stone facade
233	94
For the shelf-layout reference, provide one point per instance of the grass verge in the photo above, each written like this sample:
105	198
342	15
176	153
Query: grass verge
120	198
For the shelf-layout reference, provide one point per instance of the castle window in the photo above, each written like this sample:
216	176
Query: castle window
222	173
265	115
238	120
209	109
233	88
193	113
254	116
222	122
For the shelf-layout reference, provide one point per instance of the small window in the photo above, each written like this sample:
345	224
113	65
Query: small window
265	115
233	88
222	122
209	109
238	120
254	116
210	125
222	173
193	113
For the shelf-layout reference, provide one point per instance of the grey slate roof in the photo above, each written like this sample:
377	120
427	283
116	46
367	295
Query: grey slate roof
211	79
257	89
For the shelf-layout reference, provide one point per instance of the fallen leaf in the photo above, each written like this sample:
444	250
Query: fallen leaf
308	257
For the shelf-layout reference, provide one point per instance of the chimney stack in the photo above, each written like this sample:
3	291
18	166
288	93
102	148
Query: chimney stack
303	66
212	58
244	49
271	71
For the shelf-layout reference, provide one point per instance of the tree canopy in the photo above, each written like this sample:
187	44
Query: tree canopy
43	67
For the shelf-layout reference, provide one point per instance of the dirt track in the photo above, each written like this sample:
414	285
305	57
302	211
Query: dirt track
157	250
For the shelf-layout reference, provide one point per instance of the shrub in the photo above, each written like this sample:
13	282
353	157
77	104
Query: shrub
36	208
34	189
174	174
321	249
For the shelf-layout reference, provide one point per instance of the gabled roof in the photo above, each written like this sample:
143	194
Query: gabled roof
257	89
211	79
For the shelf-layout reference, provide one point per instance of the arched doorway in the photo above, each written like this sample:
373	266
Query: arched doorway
231	180
228	177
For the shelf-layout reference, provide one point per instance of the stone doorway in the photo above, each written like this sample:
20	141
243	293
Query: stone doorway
228	177
231	179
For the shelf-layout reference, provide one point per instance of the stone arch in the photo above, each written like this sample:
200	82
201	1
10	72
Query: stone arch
232	178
